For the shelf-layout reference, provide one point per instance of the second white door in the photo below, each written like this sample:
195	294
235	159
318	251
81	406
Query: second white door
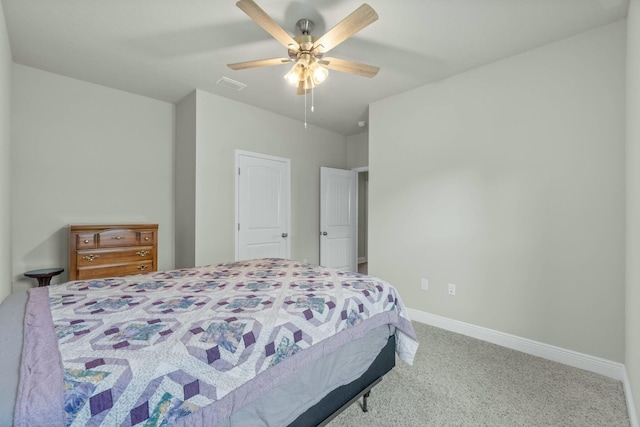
263	206
338	226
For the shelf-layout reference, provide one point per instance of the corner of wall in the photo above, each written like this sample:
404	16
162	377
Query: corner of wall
185	181
6	209
632	289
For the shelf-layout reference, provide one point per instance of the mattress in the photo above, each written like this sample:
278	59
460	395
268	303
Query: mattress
232	344
272	409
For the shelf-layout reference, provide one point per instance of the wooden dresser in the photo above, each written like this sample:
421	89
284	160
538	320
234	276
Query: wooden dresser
107	250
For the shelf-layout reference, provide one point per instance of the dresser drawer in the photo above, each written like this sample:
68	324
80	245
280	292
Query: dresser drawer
146	237
116	238
85	240
95	272
114	256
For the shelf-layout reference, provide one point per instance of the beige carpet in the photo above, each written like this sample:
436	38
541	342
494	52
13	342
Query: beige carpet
461	381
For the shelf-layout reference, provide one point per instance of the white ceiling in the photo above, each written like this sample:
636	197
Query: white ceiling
165	49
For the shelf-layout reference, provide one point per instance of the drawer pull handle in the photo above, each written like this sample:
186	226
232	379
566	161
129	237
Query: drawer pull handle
91	258
143	253
146	238
86	240
143	267
117	237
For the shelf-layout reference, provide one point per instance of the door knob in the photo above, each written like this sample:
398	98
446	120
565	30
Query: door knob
284	235
324	233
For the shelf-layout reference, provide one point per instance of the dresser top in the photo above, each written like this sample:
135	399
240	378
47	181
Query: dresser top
137	226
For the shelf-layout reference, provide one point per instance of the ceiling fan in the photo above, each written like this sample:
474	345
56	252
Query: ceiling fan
306	51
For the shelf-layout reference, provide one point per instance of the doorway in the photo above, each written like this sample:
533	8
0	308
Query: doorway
363	222
363	219
338	218
344	223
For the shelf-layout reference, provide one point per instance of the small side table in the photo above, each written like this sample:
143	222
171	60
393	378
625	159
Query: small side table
44	275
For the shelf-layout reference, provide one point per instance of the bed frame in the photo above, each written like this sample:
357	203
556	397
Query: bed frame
341	398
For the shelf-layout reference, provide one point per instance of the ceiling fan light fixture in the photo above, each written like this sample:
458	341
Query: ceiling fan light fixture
308	84
319	73
310	76
293	76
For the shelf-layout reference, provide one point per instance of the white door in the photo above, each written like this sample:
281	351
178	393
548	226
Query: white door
263	212
338	209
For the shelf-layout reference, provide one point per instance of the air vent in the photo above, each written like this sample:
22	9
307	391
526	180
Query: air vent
231	84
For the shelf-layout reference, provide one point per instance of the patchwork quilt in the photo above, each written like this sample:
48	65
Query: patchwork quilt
189	347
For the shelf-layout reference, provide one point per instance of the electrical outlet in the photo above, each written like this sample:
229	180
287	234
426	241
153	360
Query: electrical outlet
452	289
424	284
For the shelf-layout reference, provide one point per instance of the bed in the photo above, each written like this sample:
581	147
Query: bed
227	345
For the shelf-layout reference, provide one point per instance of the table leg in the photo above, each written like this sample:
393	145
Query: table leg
44	281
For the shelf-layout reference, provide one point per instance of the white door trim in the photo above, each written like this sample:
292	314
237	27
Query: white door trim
236	168
359	169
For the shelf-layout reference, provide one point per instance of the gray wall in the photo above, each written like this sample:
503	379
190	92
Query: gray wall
223	126
508	181
632	356
5	159
358	150
84	153
185	170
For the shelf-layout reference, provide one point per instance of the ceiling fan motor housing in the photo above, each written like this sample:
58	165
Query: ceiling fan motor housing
306	45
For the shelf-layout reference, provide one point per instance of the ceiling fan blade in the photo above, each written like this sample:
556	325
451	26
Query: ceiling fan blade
259	63
349	67
267	23
356	21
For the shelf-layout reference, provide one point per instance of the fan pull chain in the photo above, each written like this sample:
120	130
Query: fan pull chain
312	99
305	109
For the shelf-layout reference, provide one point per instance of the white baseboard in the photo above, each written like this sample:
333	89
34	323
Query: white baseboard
594	364
631	406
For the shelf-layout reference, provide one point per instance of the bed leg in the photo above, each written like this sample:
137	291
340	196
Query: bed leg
364	401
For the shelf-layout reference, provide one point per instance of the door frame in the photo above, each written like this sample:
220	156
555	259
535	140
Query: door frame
359	170
236	173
